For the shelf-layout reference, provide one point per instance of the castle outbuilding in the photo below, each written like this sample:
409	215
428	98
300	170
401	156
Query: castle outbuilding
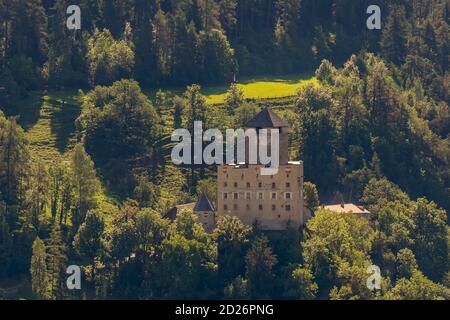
203	208
206	213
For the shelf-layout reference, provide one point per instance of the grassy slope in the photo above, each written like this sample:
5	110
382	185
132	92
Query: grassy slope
49	122
49	118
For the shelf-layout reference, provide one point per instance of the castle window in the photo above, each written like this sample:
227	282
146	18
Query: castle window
225	184
274	196
288	195
248	184
225	207
235	184
274	207
248	195
235	207
260	195
288	208
260	207
288	184
260	185
236	196
248	207
225	196
274	185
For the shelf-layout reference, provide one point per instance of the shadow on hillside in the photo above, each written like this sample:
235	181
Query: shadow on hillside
27	111
62	122
59	109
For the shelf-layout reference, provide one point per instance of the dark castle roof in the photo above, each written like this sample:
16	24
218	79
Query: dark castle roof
266	119
203	204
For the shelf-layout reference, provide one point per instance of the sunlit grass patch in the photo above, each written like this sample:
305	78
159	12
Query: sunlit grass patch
264	88
49	123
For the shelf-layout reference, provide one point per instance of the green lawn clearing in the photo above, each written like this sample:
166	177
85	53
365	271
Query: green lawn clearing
262	88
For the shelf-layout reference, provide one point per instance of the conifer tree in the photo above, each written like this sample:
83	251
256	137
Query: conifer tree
395	36
86	185
38	270
56	262
260	262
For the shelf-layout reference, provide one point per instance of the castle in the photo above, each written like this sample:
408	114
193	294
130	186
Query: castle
272	202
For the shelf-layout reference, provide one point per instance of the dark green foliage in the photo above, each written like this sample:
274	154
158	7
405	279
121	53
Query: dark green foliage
38	270
120	126
114	122
260	261
85	186
431	245
56	263
232	241
318	137
88	241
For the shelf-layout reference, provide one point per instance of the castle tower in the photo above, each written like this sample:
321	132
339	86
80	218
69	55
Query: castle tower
270	121
273	202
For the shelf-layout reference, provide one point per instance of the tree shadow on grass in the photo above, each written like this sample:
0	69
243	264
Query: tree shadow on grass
27	111
64	116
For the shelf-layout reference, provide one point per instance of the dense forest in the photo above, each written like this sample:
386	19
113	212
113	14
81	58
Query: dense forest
374	126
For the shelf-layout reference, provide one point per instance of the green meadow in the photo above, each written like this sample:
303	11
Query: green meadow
262	88
49	117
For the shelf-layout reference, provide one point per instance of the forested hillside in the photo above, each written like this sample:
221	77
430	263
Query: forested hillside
85	123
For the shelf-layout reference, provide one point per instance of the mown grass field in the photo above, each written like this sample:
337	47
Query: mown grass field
49	122
262	88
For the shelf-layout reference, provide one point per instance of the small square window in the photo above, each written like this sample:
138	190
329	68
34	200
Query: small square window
288	184
274	196
288	195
